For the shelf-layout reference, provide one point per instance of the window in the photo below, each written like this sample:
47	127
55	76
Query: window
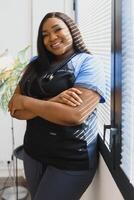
127	161
94	21
108	30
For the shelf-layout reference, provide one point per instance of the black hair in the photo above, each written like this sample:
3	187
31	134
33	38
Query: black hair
44	56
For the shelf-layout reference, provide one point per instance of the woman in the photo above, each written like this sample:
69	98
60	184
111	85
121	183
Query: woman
58	96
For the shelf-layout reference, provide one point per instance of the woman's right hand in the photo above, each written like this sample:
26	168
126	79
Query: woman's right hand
19	114
69	97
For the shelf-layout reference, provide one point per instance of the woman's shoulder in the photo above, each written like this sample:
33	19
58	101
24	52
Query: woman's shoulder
34	58
83	55
85	62
86	58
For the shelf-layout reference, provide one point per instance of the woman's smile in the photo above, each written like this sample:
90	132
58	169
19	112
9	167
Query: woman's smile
56	45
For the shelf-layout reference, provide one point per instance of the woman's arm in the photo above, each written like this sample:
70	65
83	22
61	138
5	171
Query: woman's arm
69	97
57	112
21	114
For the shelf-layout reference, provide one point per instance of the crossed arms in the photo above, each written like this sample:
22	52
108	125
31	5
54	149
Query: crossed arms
69	108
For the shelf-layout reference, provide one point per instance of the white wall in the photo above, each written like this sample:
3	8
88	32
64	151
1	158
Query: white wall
103	186
15	24
15	29
19	21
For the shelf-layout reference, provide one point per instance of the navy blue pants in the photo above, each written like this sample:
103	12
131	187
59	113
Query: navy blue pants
46	182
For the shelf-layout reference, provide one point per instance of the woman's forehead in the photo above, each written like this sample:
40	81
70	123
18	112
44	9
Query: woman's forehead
52	22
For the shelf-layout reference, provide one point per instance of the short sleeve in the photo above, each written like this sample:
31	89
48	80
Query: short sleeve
91	76
33	59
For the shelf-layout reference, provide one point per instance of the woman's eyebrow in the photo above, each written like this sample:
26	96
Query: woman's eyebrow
54	26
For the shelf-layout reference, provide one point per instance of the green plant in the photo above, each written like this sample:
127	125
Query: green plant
10	75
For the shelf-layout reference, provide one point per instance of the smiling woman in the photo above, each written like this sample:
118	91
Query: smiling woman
57	37
58	96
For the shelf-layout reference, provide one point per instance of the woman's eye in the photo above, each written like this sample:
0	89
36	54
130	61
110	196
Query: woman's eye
58	29
44	34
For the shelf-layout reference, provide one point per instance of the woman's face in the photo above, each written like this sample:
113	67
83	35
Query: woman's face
57	37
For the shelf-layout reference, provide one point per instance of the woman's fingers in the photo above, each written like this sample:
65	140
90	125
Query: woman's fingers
68	102
77	91
71	98
67	99
75	96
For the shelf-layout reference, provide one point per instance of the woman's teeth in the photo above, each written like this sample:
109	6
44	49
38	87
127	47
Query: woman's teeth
56	45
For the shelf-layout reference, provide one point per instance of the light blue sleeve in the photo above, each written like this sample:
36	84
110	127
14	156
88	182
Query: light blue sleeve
91	76
33	58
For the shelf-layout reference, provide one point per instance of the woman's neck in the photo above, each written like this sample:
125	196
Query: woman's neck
61	58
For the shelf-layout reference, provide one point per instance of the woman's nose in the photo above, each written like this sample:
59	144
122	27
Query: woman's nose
52	36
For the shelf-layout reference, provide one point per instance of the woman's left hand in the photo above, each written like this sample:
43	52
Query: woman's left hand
69	97
16	103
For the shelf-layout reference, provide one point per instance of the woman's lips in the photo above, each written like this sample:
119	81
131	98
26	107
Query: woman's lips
56	45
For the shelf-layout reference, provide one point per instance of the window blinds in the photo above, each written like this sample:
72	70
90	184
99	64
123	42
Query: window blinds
94	21
128	89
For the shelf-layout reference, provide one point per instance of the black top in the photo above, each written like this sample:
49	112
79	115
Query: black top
48	141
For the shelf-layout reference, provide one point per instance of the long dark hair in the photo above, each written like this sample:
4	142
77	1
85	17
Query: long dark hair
44	58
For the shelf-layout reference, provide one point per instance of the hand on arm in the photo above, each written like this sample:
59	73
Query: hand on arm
59	113
69	97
